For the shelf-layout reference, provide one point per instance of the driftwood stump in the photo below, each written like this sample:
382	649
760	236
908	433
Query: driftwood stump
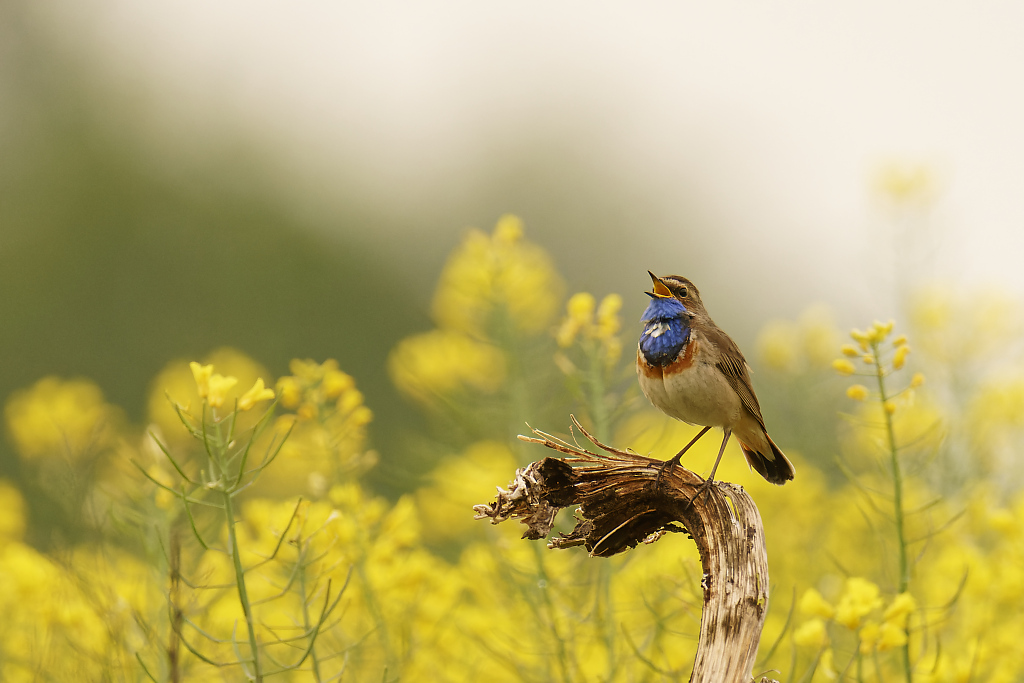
622	503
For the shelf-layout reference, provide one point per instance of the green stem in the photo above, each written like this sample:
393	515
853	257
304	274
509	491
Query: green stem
897	482
305	608
243	594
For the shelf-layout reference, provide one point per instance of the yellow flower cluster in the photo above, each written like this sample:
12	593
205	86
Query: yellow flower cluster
590	322
190	384
859	599
493	290
497	275
426	592
792	347
430	366
55	417
325	435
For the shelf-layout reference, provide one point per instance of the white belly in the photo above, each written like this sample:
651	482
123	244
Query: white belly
699	395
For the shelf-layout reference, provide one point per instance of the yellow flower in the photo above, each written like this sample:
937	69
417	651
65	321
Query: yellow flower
290	392
509	229
917	380
439	363
581	307
792	347
255	395
868	637
59	417
900	357
219	386
811	634
899	341
890	407
778	344
818	335
827	665
336	382
608	323
902	605
612	350
813	604
858	392
493	274
579	318
868	359
859	598
202	375
862	338
183	382
891	635
850	350
843	366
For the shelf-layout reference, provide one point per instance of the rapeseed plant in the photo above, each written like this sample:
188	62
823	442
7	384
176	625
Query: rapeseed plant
231	538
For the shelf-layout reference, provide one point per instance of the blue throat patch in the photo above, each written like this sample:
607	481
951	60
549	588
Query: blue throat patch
666	331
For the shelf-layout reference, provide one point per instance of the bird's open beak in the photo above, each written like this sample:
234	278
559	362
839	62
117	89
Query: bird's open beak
661	291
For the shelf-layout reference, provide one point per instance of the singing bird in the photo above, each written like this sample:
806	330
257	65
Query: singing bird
691	370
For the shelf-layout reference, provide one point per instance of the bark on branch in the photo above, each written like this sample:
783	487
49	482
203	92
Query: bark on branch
622	503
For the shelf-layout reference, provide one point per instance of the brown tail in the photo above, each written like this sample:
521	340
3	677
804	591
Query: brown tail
776	467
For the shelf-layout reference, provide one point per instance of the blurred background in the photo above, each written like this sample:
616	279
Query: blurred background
287	179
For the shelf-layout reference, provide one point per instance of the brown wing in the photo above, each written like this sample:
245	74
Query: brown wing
733	365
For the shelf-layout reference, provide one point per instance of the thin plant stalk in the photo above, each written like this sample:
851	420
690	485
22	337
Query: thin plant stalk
243	594
897	484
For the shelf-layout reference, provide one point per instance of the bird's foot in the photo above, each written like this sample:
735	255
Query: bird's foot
665	467
701	490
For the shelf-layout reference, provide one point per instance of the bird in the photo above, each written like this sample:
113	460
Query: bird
693	371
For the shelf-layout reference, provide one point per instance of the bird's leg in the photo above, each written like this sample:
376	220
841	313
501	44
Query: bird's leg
675	460
710	481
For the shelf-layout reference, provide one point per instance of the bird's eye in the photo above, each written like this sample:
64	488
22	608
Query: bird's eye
682	292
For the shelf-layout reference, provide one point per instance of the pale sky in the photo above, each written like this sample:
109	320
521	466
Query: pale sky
766	120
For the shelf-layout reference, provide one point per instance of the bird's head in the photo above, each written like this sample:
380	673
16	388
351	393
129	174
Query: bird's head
676	288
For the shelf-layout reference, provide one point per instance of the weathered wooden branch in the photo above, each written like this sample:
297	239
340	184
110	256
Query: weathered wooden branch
622	502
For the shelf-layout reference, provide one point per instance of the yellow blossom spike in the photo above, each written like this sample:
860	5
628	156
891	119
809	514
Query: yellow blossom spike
849	350
202	373
255	395
858	392
900	357
219	387
843	366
